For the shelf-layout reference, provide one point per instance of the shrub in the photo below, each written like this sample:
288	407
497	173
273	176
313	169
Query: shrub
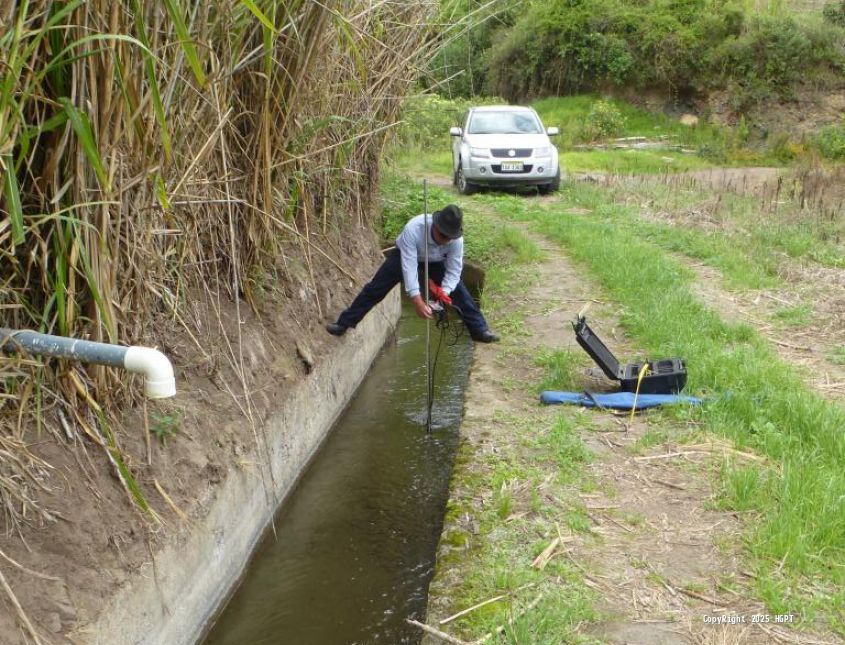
772	53
784	149
604	120
773	56
830	141
458	69
573	46
834	13
426	119
165	425
714	151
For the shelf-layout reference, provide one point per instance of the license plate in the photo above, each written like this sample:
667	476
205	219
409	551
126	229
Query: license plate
511	166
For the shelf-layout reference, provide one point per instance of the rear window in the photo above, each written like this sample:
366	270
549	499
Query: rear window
504	123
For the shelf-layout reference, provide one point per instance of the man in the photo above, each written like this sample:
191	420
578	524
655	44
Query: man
407	262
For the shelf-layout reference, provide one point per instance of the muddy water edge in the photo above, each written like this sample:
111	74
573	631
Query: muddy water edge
354	545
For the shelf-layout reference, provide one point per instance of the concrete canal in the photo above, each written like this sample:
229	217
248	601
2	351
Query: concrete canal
354	544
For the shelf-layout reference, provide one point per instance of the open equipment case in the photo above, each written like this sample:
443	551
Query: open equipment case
667	376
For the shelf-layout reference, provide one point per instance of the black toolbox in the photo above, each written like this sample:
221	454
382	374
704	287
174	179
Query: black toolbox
667	376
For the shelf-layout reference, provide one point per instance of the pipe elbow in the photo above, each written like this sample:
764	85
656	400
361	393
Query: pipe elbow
159	381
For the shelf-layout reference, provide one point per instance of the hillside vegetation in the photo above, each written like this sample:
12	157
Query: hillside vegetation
530	49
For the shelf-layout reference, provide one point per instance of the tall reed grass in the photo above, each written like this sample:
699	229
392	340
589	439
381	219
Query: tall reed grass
151	150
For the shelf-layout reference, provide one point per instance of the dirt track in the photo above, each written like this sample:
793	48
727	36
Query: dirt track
664	562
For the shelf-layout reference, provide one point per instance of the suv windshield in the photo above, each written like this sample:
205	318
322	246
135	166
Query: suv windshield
504	123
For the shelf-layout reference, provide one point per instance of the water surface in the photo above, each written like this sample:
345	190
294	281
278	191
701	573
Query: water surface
355	541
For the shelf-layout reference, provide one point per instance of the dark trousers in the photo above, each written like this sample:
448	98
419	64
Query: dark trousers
389	274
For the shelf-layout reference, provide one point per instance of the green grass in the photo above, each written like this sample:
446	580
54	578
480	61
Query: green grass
421	163
631	161
795	316
837	355
564	605
498	557
565	445
652	437
755	400
561	369
746	241
804	239
743	262
424	162
747	244
713	144
569	113
741	487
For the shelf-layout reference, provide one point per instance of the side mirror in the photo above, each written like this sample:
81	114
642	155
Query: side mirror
455	132
552	131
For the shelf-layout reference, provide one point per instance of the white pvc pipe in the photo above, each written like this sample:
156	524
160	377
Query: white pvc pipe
159	381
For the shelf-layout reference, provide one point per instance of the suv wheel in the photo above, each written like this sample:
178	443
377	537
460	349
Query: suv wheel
552	187
464	187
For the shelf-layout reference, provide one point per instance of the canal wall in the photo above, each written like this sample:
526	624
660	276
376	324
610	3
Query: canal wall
172	600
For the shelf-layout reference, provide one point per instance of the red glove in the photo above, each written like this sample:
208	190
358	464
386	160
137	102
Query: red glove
438	294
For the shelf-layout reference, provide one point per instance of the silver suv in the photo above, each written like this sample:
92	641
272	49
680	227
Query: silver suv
504	146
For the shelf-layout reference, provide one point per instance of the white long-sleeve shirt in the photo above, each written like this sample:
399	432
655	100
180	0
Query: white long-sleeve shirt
411	245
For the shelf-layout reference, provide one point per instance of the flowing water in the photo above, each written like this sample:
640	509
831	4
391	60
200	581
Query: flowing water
355	542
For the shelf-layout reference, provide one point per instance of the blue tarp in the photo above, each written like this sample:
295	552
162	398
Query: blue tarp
615	400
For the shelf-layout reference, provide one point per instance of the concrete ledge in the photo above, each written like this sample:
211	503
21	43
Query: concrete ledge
193	577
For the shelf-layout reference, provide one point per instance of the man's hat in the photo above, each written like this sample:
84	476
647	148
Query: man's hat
449	221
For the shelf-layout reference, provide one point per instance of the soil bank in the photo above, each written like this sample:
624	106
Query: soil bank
250	412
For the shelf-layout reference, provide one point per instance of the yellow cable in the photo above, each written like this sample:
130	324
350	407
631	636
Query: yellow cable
643	372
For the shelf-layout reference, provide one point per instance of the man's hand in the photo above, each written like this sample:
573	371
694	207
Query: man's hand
423	310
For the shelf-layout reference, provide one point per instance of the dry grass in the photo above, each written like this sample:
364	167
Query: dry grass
158	149
812	195
806	6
